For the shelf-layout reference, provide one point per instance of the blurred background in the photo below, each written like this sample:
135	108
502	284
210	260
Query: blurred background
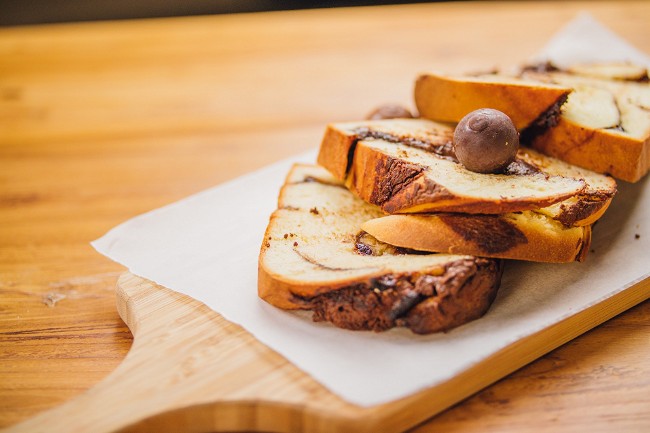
22	12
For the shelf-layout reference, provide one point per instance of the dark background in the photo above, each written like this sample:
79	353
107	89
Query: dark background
20	12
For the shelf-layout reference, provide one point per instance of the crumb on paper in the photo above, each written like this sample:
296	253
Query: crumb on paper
50	299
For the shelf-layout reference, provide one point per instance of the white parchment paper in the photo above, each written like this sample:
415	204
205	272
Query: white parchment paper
209	251
585	40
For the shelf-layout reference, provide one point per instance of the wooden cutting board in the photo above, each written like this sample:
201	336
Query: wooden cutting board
191	370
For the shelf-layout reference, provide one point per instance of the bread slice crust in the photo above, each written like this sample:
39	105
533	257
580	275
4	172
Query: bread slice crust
449	98
312	258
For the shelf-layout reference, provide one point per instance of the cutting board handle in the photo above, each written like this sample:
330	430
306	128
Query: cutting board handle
188	370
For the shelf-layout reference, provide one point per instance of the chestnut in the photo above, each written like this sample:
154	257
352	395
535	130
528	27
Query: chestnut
486	141
389	111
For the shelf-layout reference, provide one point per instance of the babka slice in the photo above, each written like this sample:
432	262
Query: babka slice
315	256
408	166
600	119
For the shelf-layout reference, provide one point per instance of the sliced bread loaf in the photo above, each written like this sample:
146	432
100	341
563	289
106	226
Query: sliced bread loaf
408	166
314	256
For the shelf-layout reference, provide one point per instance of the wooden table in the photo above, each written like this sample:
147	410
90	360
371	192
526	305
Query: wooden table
100	122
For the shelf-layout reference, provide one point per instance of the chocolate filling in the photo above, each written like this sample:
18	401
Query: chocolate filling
521	168
585	207
548	66
440	144
424	192
422	302
392	175
309	179
540	67
491	233
548	119
464	293
367	245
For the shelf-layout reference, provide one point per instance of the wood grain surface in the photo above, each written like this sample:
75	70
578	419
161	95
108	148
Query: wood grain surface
100	122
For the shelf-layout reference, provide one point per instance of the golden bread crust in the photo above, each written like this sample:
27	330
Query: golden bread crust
449	98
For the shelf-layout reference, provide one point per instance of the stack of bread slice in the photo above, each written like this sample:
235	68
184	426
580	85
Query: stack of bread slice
390	229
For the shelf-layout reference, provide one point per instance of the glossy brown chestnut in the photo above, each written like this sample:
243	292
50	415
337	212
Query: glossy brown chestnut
389	111
486	141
